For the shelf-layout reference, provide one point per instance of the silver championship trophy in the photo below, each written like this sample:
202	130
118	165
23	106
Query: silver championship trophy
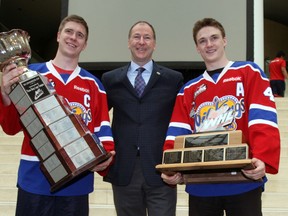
63	143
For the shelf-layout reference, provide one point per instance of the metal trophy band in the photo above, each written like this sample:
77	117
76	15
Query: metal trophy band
60	139
213	157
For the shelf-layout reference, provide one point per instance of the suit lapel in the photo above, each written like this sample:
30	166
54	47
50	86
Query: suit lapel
153	79
124	79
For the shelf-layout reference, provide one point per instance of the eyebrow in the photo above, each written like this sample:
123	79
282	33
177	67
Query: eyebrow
74	30
213	35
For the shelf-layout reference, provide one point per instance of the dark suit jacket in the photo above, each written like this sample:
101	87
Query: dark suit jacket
140	122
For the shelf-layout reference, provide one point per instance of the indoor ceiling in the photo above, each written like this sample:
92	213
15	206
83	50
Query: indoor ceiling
40	18
276	10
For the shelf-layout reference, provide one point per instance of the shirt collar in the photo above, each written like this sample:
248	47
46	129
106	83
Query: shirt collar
148	66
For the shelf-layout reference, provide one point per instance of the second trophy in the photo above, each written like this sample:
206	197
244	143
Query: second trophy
208	157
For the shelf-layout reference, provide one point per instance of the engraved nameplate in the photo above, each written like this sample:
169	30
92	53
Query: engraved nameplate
206	154
208	139
172	157
27	92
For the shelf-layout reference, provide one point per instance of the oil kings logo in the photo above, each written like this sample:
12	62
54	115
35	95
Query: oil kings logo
219	114
79	109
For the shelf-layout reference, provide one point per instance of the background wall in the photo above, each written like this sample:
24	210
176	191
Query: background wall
275	37
110	21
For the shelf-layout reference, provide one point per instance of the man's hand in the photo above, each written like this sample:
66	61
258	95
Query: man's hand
256	173
102	166
10	76
172	179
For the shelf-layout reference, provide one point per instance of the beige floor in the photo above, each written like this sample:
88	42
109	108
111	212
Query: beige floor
101	200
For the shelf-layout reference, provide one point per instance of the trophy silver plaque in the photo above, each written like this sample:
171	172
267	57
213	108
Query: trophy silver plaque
209	139
63	143
206	154
208	157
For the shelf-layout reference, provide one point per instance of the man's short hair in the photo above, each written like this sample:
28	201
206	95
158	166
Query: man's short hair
280	54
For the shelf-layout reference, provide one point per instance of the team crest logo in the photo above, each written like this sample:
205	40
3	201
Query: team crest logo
79	109
220	114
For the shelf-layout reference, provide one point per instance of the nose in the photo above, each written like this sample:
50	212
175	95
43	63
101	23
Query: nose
209	43
142	40
73	35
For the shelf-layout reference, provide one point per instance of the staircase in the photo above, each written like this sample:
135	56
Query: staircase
101	200
276	193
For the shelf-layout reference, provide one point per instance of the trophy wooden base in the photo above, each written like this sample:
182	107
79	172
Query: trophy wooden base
220	176
74	175
70	161
209	172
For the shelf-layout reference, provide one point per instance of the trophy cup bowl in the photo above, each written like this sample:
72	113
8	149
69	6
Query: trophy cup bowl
15	48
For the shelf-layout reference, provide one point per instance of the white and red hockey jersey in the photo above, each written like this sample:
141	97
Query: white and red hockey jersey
239	98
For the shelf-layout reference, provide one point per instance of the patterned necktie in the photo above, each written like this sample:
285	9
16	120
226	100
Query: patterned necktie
139	84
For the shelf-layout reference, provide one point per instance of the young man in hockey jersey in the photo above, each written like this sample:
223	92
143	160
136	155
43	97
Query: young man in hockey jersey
86	96
241	91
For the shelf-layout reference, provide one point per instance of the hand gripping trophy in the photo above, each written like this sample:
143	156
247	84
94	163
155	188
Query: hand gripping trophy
65	146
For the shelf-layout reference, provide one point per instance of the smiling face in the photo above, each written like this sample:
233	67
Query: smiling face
210	44
141	43
72	39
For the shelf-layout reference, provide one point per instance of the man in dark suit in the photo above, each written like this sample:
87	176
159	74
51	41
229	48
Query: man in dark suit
139	126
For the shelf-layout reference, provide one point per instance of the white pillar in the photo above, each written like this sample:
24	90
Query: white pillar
259	33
